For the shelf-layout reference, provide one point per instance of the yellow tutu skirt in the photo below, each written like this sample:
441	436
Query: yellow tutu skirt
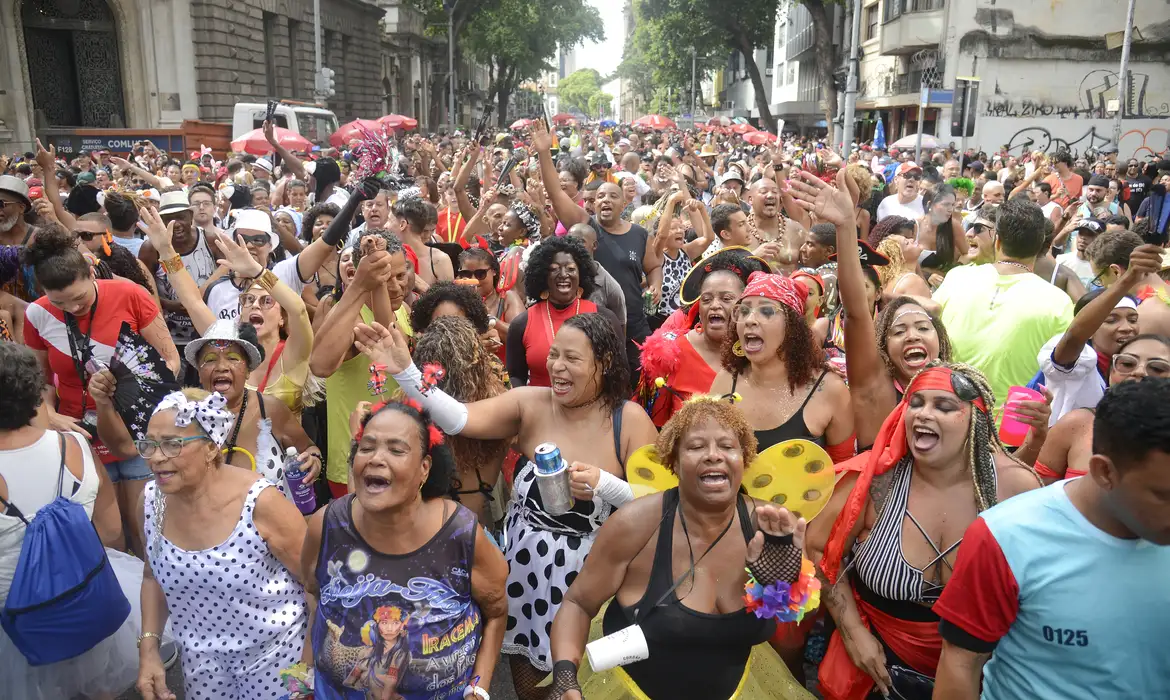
765	677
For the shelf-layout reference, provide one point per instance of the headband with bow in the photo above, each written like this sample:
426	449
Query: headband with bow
211	413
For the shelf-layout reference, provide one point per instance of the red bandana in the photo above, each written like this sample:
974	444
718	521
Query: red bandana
791	293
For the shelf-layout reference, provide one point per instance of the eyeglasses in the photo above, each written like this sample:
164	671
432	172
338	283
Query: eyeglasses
1127	364
4	204
260	239
204	203
766	311
264	301
480	275
1096	281
171	447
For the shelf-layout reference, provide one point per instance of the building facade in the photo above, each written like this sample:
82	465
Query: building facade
1048	73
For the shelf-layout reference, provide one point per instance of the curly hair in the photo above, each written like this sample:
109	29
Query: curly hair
23	381
311	216
888	227
539	262
464	296
801	358
54	258
863	178
610	353
897	265
439	482
695	411
470	374
393	244
122	262
1113	249
886	320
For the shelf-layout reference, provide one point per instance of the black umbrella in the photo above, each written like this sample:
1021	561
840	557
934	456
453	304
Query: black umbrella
142	379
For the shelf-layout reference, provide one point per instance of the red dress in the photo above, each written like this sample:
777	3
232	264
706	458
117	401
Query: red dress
669	355
544	320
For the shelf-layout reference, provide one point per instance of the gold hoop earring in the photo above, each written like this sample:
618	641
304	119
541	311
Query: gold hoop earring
737	349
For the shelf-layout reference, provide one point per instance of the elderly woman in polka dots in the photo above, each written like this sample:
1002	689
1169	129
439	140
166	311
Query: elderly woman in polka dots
222	547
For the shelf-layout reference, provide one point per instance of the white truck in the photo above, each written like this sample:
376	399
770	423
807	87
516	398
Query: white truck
312	121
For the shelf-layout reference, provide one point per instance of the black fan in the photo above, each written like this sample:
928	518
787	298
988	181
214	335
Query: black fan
142	380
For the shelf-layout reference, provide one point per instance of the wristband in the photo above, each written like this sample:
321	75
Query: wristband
173	264
448	414
474	691
564	679
612	490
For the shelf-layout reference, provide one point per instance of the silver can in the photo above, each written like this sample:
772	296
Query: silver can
552	479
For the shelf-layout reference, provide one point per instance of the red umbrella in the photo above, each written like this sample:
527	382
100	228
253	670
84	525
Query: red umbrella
654	121
398	121
352	130
520	124
563	118
743	128
759	138
719	121
254	142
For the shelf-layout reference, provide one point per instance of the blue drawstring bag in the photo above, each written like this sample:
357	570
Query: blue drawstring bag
65	597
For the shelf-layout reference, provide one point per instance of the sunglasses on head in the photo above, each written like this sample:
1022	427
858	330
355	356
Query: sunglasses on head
480	275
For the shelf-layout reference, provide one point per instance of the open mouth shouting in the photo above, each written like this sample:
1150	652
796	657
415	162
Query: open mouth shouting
925	439
751	343
561	387
222	383
714	479
375	484
716	319
915	357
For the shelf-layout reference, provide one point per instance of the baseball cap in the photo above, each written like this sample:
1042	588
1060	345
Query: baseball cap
1099	181
976	166
1093	226
907	167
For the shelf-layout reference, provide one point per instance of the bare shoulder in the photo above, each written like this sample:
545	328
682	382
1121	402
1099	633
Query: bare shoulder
1013	479
631	525
722	383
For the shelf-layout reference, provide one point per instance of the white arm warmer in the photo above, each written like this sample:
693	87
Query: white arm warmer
448	413
612	490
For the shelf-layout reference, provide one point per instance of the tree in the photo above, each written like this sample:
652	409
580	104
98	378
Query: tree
826	57
575	89
600	104
516	39
742	25
656	60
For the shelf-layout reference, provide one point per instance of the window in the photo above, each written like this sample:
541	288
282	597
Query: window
871	22
269	53
293	44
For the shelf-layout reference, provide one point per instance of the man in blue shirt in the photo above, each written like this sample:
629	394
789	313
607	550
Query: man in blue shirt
1062	592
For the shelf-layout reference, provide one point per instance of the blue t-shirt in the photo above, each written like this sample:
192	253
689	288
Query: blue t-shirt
1070	611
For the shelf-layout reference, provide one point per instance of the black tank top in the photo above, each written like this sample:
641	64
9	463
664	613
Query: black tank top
792	429
692	654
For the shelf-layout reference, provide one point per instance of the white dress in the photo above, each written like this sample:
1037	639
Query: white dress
237	611
112	665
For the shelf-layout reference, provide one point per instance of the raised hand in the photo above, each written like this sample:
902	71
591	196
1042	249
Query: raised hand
827	203
778	522
237	258
541	139
159	234
47	159
386	346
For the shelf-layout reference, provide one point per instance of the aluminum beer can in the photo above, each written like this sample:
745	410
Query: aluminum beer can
552	479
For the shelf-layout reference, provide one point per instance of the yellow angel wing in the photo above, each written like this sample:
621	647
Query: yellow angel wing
796	474
645	475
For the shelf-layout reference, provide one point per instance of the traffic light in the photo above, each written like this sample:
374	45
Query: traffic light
326	85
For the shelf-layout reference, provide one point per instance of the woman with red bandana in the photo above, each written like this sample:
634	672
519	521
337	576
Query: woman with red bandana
894	526
683	356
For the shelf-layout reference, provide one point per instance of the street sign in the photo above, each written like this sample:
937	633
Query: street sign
74	144
942	97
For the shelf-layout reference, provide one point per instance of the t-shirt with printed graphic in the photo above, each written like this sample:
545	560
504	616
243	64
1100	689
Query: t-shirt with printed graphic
398	626
1066	610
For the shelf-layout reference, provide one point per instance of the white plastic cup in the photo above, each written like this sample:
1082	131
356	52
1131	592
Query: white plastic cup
618	649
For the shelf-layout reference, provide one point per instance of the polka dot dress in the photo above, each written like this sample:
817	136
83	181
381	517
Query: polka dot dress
269	460
544	553
235	609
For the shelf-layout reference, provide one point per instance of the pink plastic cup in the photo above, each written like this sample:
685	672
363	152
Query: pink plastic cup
1012	430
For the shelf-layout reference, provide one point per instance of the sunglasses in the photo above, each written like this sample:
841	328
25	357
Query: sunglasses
480	275
264	301
88	236
1127	364
260	239
912	178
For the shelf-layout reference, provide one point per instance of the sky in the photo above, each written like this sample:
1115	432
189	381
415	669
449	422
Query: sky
604	56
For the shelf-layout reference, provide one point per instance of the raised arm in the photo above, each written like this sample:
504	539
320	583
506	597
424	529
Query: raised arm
334	340
869	381
290	161
462	175
1144	260
147	176
48	162
695	248
564	207
159	236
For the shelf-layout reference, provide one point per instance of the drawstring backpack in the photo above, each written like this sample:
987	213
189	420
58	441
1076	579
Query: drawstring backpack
65	597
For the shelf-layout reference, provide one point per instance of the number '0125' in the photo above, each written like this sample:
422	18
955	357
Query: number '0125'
1066	637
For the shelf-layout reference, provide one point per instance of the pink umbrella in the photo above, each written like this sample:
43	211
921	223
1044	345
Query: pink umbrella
352	130
759	138
654	121
398	121
520	124
254	142
719	121
743	128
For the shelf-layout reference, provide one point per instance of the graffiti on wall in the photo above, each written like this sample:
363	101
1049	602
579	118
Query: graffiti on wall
1151	138
1095	91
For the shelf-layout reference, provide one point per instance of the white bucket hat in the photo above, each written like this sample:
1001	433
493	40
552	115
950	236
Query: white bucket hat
223	330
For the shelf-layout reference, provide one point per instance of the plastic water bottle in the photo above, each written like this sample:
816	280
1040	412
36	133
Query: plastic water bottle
302	494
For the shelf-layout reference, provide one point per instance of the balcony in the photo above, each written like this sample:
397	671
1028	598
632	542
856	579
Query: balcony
910	25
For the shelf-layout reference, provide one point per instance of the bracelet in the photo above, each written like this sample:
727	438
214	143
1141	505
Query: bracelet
476	692
146	635
786	602
267	280
173	264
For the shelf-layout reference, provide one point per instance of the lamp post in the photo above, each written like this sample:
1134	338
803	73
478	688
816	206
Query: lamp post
449	6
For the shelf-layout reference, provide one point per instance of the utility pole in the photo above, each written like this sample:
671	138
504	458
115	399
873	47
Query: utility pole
449	6
694	85
852	81
1123	76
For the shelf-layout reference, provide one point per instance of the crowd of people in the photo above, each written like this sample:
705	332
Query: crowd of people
390	341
